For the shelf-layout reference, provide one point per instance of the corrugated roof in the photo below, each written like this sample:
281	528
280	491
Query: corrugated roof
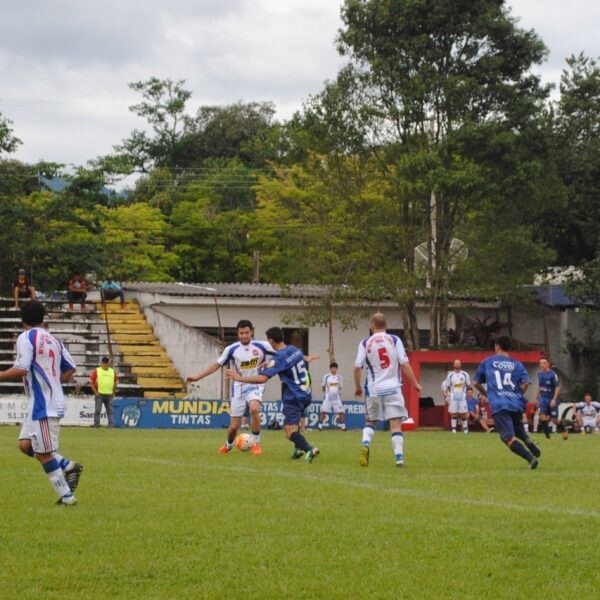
248	290
554	295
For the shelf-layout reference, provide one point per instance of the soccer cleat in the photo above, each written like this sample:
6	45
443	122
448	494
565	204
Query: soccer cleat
533	463
320	426
297	453
400	463
363	461
565	434
256	450
224	449
533	448
67	500
72	475
312	454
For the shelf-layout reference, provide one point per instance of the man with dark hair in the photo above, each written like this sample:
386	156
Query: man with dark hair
546	398
289	363
506	381
246	355
110	290
332	386
44	364
77	291
22	289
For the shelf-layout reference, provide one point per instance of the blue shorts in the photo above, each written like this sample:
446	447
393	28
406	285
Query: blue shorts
293	410
546	409
509	424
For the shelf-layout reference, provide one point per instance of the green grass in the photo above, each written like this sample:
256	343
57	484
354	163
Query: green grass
162	515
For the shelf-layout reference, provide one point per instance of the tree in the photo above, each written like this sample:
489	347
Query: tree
423	77
9	142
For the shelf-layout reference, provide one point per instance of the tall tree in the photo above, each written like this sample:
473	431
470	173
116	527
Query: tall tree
9	142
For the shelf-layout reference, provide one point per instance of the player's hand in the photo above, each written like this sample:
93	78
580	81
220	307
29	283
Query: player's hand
358	393
190	379
231	374
552	403
311	357
418	387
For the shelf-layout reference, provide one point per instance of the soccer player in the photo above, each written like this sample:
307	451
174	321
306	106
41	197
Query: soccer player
546	398
332	387
289	363
587	414
44	363
383	356
246	356
507	380
455	393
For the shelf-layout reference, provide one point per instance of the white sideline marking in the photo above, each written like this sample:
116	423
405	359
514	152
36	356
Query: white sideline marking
296	474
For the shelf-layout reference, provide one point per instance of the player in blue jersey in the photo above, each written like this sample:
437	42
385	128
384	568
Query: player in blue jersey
246	355
289	363
504	380
546	398
44	364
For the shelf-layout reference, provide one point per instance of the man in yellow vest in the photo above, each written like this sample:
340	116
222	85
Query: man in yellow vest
103	381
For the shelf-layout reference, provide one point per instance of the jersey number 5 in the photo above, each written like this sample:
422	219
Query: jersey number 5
384	359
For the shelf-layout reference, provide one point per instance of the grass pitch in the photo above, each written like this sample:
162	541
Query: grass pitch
162	515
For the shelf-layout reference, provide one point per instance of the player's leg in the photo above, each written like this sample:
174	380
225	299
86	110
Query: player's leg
44	441
373	414
236	412
397	441
254	406
465	421
545	418
505	422
322	417
453	418
522	434
293	412
325	409
394	412
341	416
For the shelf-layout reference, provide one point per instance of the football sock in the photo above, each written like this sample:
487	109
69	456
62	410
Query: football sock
545	428
526	426
465	426
62	461
398	444
300	441
453	424
342	425
519	449
56	477
367	435
256	435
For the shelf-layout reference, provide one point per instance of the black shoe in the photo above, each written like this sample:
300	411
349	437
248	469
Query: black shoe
533	449
72	476
533	463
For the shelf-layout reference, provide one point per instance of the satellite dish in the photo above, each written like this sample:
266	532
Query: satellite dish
458	252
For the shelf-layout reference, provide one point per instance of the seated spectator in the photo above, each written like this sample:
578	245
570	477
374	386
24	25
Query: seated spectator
477	410
111	289
22	289
77	291
587	414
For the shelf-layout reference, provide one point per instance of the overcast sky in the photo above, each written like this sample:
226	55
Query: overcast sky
65	64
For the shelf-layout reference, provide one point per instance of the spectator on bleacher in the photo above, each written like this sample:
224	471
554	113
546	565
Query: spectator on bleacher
111	289
477	410
77	291
103	382
22	289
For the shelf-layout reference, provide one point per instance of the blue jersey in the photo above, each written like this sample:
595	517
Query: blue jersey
503	377
289	364
548	382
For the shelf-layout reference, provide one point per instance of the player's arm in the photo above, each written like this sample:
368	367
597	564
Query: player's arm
235	376
67	375
554	400
358	392
407	370
93	382
12	373
208	371
310	357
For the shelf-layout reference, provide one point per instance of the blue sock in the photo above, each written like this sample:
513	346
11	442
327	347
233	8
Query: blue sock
300	441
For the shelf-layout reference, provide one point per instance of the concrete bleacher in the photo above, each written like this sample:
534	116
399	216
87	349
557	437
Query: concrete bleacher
142	365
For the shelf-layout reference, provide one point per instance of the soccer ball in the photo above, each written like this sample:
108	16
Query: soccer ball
244	442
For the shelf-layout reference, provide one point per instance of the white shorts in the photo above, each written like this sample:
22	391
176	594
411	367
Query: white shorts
332	405
458	407
590	422
238	404
384	408
43	434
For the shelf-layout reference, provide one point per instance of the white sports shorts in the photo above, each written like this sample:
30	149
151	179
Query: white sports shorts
458	407
384	408
590	422
43	434
332	405
238	404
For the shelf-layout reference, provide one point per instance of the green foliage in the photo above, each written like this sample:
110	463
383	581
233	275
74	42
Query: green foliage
376	532
9	142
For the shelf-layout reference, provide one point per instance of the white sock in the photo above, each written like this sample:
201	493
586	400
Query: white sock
465	425
342	425
256	437
526	426
367	435
398	445
453	423
57	479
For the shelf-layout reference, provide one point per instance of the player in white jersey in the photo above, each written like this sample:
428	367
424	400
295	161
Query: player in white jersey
383	357
332	386
587	414
245	356
454	388
44	364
